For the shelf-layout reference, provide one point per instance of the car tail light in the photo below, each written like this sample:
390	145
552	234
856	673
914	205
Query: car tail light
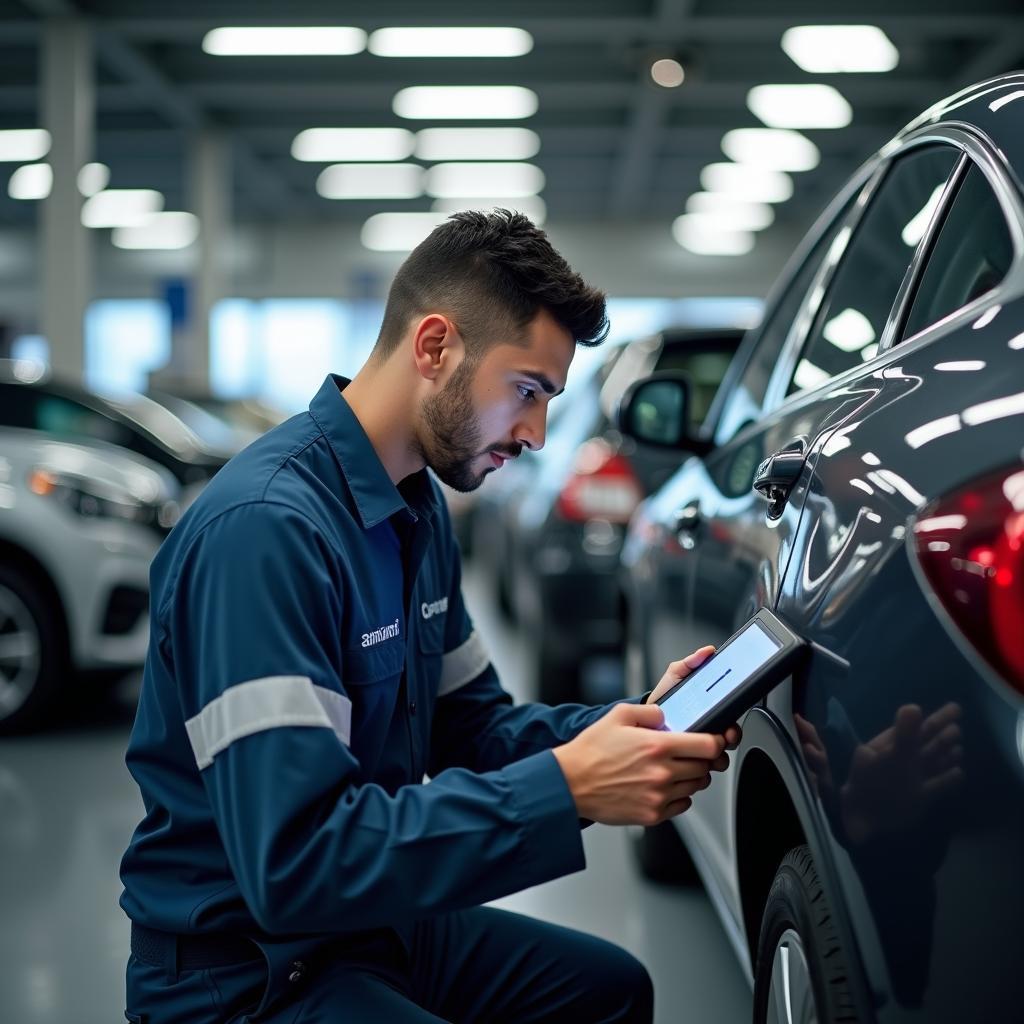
971	547
602	486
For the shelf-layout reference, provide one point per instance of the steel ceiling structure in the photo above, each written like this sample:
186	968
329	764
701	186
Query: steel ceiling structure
614	146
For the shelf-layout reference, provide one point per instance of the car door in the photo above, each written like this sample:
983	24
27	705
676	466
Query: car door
742	544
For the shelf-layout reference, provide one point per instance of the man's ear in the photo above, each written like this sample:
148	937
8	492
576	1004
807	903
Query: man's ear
436	346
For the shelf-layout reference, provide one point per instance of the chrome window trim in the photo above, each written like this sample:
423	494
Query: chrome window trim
963	138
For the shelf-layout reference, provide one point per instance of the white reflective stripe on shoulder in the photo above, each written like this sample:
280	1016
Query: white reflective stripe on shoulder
268	703
463	665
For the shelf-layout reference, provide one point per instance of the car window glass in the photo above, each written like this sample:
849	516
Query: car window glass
849	324
705	370
971	256
744	403
58	415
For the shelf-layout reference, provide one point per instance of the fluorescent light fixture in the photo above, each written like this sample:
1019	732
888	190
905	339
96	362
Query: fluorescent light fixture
171	230
476	144
753	184
371	181
849	330
24	145
799	106
915	228
398	232
33	181
326	145
121	207
668	73
284	41
829	49
450	42
775	149
465	102
694	232
732	213
808	375
93	178
467	181
531	206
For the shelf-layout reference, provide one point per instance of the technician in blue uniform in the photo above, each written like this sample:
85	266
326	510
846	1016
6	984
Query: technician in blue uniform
311	661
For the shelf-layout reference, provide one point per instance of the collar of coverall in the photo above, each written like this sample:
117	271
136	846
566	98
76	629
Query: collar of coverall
375	496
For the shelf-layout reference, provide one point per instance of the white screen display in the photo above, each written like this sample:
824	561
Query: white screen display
715	679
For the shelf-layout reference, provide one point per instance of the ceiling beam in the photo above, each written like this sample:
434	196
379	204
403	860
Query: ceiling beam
650	105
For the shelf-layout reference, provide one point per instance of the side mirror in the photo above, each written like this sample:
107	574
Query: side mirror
656	410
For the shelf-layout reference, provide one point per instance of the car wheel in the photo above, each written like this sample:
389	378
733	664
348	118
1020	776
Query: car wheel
31	651
801	975
662	855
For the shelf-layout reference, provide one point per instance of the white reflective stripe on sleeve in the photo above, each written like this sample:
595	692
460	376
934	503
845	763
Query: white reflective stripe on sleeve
462	665
268	703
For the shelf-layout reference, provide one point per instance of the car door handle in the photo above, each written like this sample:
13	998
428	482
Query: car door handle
776	476
687	519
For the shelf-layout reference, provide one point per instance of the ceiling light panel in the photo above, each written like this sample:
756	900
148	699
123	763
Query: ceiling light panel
465	102
450	42
171	230
830	49
327	145
398	232
699	236
435	144
753	184
121	207
530	206
24	145
799	106
668	73
777	149
730	212
284	41
371	181
32	181
93	178
468	180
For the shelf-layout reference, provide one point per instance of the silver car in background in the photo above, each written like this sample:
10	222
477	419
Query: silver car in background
79	525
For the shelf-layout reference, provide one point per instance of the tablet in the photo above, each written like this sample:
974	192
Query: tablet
750	663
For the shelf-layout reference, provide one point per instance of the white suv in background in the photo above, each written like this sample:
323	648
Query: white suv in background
79	525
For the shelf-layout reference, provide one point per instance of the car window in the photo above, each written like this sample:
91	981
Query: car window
62	416
971	255
849	324
704	368
744	402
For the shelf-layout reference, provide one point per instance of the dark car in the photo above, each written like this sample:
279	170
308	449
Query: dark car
35	401
565	519
866	482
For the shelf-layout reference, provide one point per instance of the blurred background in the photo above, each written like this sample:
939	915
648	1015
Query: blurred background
201	208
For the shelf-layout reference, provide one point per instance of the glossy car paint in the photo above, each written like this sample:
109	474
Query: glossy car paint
929	901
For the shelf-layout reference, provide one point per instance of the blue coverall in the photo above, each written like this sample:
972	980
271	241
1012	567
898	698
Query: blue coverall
310	662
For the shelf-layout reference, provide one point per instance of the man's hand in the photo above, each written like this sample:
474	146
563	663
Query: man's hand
623	770
679	670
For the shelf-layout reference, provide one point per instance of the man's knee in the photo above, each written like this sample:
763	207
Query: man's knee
622	983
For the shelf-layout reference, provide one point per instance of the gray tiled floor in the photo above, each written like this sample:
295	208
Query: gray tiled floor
67	808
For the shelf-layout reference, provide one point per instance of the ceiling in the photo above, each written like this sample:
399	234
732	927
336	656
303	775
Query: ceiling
614	146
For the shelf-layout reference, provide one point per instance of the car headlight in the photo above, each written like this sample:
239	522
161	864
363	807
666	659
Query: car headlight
90	500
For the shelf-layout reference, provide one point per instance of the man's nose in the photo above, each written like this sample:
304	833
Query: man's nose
531	431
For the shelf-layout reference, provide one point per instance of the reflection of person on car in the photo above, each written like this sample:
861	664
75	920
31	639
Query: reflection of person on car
882	796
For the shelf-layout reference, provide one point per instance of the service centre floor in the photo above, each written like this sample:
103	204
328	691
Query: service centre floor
68	806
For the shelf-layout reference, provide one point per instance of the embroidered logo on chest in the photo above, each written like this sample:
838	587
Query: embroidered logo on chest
388	632
431	608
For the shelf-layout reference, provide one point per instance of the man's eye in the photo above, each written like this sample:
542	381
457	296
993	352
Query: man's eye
526	394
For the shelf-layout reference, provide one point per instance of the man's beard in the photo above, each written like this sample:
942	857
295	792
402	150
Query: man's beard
452	438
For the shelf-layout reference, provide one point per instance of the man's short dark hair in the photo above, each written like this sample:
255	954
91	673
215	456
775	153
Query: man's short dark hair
492	273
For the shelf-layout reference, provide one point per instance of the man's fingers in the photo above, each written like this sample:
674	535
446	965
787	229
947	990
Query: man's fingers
733	735
703	745
939	720
949	737
721	763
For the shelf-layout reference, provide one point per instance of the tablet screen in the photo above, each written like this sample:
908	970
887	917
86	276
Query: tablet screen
727	670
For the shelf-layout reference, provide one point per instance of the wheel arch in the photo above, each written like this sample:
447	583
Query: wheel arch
20	558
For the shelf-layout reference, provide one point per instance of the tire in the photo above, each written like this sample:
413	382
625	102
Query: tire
32	652
662	855
801	974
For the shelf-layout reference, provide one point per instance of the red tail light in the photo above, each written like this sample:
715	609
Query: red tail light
971	547
602	486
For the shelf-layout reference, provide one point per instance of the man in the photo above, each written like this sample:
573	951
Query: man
311	661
